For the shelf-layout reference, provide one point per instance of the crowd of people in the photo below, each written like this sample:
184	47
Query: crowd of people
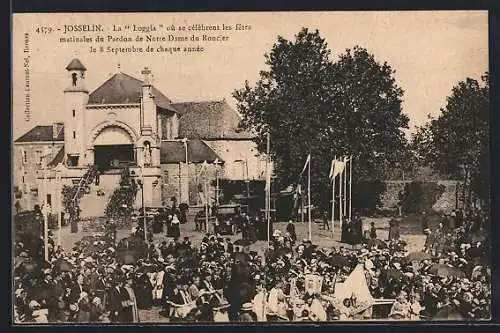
293	280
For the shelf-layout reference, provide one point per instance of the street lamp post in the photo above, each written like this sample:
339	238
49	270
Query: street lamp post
185	142
216	163
58	209
143	206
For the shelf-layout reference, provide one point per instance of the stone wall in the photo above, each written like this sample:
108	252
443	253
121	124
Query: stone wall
444	203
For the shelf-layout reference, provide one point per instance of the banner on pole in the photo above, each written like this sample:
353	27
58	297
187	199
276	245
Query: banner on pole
203	166
337	167
308	160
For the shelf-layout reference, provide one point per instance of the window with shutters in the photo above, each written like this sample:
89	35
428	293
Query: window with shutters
25	156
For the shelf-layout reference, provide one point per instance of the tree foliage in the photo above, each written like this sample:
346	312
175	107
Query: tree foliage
311	104
69	203
457	142
121	201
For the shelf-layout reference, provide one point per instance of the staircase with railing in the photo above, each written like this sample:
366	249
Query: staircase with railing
87	179
94	193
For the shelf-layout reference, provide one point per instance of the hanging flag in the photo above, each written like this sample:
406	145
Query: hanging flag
306	164
332	174
355	285
203	166
268	178
338	168
299	189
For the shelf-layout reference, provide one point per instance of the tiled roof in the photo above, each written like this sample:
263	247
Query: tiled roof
122	88
41	133
209	120
58	158
75	64
198	151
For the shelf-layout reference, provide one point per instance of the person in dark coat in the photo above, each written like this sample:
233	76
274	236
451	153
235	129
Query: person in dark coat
356	230
445	221
77	288
424	221
144	292
326	223
115	302
373	231
175	226
290	228
183	208
346	232
394	229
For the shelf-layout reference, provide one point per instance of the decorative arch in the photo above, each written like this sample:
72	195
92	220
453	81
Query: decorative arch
94	133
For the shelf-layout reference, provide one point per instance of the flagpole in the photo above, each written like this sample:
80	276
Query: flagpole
309	196
340	198
268	190
333	206
350	187
345	188
206	198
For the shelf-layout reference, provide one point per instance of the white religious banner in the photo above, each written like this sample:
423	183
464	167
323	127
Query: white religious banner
313	283
354	287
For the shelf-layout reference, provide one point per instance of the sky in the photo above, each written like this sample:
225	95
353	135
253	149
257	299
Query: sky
431	51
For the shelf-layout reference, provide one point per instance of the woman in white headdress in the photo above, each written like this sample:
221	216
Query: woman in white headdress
175	230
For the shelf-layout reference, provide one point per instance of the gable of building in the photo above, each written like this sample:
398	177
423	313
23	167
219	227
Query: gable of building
209	120
122	88
41	133
197	152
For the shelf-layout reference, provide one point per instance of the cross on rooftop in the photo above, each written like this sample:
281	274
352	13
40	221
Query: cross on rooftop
146	71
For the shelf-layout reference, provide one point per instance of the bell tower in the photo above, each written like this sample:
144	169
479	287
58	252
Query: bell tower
149	123
76	96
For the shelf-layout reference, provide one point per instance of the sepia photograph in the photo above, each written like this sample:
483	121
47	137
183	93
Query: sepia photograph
239	167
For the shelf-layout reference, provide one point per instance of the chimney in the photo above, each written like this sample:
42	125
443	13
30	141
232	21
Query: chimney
56	130
146	72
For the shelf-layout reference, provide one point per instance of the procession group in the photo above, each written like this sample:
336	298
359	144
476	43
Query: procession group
293	280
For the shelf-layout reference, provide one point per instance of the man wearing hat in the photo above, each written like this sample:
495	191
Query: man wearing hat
247	314
220	311
115	298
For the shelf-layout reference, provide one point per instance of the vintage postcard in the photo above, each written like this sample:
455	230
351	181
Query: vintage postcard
250	167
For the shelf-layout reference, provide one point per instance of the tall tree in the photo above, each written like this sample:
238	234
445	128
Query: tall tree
457	142
310	104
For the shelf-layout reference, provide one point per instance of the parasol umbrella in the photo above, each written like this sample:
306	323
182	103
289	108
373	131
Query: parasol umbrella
378	243
481	237
393	273
146	269
242	242
338	261
443	270
241	256
447	313
29	266
42	292
418	256
128	259
62	265
87	239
